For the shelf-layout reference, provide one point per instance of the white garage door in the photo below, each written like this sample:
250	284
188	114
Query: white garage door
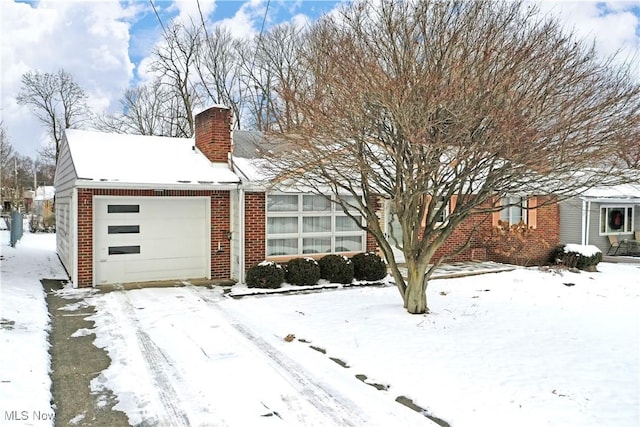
143	239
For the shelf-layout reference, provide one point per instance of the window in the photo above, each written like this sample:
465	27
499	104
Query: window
124	250
123	229
515	210
123	208
310	224
616	219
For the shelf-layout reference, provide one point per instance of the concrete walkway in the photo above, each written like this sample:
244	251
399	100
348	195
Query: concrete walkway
463	269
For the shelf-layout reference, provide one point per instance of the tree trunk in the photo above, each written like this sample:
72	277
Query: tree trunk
415	298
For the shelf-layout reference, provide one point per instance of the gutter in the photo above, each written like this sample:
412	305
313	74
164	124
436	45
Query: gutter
88	183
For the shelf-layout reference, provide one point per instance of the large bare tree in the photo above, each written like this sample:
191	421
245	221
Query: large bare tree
424	102
148	109
174	62
218	67
269	64
57	101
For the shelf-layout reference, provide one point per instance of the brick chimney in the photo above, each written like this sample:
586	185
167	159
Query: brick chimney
213	133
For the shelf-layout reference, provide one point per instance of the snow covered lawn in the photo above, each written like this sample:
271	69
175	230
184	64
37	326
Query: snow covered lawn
523	348
520	348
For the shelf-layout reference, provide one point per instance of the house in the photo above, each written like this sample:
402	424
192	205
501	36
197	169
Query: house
601	212
133	208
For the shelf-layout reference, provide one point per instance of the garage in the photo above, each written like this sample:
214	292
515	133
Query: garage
138	239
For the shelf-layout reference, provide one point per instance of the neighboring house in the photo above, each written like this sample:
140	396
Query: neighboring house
598	213
43	201
135	208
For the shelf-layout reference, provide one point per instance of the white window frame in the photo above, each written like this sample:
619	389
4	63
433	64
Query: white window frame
333	212
627	224
511	202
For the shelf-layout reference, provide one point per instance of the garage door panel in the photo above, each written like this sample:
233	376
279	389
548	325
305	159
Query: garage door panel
173	237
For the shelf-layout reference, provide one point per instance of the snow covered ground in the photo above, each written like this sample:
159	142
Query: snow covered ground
520	348
25	394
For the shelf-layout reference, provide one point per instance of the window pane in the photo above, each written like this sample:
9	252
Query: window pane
344	223
316	224
629	223
516	213
316	245
123	208
348	243
282	247
315	204
282	203
277	225
123	250
123	229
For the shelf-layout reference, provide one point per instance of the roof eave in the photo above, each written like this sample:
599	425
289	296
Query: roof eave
89	183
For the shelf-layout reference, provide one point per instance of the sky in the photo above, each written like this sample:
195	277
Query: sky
103	42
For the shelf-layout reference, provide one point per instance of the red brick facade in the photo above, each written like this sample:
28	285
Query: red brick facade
255	218
532	245
220	227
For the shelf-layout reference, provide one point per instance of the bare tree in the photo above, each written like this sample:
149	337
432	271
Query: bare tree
218	68
174	63
56	100
423	102
6	163
271	63
148	109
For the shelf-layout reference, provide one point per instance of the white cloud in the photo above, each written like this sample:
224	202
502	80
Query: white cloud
90	40
614	26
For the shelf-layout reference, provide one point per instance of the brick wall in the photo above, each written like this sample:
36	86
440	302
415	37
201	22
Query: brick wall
255	228
220	226
213	133
531	247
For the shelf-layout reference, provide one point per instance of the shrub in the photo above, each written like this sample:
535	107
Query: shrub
336	269
265	275
303	271
368	266
583	257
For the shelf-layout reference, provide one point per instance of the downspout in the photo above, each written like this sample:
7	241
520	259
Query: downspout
583	228
241	236
588	222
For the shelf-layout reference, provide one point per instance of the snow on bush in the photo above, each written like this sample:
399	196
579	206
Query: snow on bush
584	250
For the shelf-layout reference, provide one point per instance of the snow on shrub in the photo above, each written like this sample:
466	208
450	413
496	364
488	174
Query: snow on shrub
368	266
583	257
265	274
303	271
336	269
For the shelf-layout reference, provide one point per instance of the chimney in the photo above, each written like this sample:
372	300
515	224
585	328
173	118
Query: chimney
213	133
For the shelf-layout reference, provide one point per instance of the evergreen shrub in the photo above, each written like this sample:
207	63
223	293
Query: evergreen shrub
368	266
336	269
266	274
303	271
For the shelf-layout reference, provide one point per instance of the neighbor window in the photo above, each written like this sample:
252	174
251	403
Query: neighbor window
616	219
514	211
300	224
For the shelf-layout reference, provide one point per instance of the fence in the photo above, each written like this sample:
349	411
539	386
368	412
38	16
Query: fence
15	225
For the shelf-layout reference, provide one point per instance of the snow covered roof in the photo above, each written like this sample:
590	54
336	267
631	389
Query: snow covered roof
617	192
140	159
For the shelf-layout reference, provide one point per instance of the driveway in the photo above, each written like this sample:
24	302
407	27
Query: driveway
182	357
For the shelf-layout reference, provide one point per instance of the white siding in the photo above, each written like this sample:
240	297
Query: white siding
64	181
571	221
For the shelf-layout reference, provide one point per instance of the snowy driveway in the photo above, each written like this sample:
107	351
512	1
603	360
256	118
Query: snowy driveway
182	357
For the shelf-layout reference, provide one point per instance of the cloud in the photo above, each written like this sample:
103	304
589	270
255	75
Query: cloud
90	40
613	26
